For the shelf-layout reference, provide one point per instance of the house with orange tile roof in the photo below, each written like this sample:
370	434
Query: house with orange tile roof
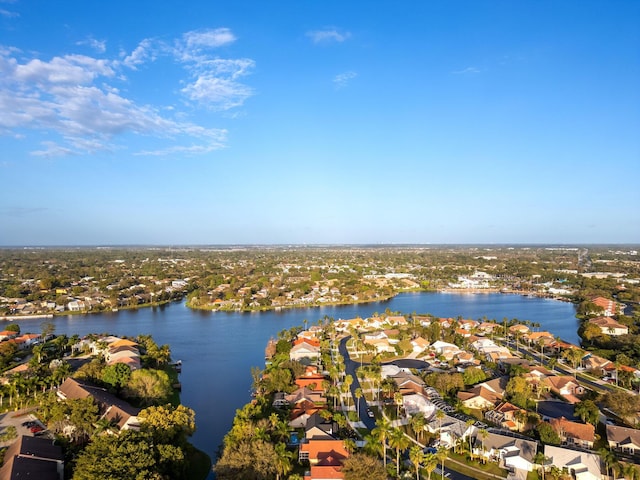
312	381
534	338
325	458
7	334
574	433
609	307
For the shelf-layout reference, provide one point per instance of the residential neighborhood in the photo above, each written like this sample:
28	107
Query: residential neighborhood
499	401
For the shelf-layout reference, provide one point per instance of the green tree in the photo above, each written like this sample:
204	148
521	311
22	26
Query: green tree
400	442
547	434
381	432
247	460
123	456
473	375
149	387
416	455
360	466
13	327
588	411
430	463
168	424
117	375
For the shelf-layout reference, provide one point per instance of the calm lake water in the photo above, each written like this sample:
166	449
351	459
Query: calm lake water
219	349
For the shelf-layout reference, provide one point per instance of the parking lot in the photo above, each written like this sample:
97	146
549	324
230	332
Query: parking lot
24	421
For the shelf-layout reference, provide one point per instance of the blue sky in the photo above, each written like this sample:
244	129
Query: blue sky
319	122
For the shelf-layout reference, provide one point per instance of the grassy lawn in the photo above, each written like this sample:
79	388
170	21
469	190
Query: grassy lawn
490	468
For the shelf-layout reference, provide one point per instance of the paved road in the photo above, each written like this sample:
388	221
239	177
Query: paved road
350	369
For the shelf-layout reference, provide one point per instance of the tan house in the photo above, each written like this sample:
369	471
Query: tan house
609	326
565	386
506	416
625	439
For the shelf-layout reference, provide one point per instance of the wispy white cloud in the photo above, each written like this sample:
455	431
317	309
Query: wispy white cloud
209	38
215	83
76	98
99	46
467	71
328	35
144	52
342	80
8	14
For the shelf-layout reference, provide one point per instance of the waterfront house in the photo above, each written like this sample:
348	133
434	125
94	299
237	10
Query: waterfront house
581	465
609	326
518	329
110	407
574	433
311	380
304	348
624	439
7	334
607	307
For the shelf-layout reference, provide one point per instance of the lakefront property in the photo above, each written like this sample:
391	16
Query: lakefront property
397	394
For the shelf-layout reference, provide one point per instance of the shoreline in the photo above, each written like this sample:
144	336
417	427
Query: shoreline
458	291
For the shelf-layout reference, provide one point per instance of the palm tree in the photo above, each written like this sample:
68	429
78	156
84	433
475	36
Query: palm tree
417	425
608	458
574	355
430	463
372	445
483	436
631	472
469	424
381	432
358	395
416	455
283	460
399	441
541	460
442	454
397	397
